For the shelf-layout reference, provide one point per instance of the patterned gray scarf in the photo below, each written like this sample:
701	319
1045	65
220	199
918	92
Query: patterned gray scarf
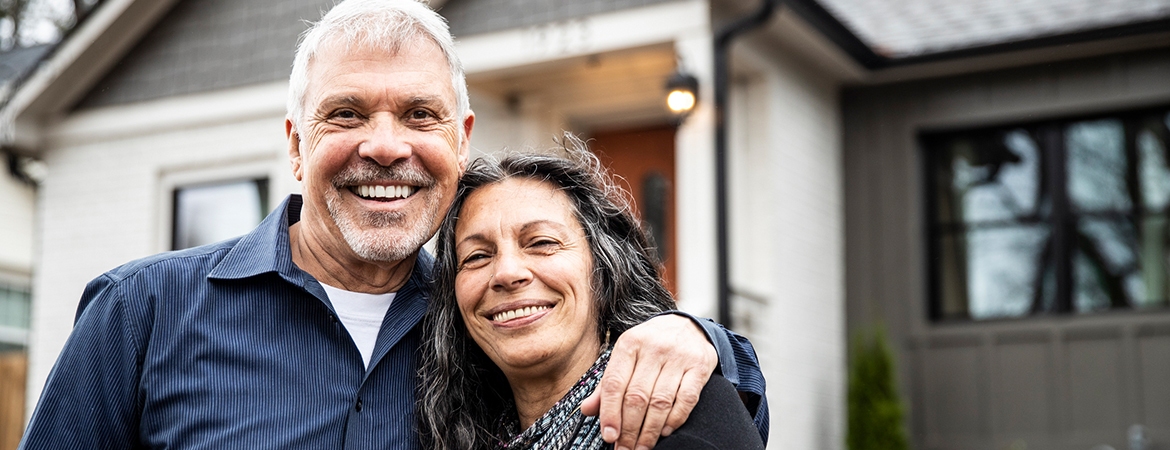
563	426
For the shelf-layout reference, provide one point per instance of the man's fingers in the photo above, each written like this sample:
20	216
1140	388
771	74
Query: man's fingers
661	350
662	399
689	390
639	396
635	402
613	389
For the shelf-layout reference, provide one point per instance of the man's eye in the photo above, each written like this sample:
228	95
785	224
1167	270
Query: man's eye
420	114
345	114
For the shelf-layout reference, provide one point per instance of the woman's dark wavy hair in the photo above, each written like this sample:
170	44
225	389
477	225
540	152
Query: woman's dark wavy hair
463	393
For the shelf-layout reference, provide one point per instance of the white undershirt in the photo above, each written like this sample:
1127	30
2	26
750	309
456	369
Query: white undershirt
362	316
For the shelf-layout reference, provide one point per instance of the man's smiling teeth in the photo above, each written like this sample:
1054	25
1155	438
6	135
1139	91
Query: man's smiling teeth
516	313
384	191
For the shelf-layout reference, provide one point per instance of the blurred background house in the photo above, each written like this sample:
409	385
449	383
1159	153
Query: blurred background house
17	209
988	180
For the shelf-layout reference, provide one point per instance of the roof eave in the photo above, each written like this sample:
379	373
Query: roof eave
77	63
1126	35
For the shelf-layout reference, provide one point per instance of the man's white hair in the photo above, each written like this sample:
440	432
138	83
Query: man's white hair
378	24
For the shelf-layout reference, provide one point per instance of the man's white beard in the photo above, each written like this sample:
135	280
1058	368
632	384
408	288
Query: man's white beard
384	236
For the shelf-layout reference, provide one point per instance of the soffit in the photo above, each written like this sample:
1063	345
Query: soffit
910	28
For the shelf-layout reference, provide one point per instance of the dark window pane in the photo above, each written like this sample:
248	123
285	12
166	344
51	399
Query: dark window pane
995	273
211	213
1068	216
655	190
1097	166
1120	267
989	176
1155	172
1107	270
1155	247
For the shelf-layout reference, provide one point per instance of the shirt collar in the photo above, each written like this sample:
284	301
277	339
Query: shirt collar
265	249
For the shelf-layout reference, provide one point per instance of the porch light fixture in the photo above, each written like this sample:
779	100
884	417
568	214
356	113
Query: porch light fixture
682	93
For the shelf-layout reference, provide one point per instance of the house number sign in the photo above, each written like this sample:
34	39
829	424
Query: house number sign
562	38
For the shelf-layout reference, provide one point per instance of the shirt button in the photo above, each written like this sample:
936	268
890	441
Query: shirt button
332	318
358	406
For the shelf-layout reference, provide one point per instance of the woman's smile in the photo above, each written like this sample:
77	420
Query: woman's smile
514	317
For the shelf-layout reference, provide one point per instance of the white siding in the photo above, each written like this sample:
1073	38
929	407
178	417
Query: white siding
788	242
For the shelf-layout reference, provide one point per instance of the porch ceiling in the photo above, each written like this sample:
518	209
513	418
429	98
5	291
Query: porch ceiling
604	90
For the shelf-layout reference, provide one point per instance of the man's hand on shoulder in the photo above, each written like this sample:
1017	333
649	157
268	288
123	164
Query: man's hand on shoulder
655	374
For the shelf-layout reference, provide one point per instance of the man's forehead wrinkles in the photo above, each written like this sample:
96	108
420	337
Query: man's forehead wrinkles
433	101
342	100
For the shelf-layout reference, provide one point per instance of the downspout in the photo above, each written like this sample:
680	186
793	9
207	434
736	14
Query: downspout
723	39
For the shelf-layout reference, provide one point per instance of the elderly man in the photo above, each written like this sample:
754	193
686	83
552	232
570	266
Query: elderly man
303	333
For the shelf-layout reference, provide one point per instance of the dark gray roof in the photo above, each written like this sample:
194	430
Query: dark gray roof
906	28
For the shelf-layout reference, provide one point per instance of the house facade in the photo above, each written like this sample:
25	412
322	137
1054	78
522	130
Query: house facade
17	225
161	125
993	229
16	262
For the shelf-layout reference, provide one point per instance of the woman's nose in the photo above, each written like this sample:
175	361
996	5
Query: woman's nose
511	272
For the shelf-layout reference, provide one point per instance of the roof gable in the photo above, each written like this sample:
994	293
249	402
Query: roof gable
88	51
207	45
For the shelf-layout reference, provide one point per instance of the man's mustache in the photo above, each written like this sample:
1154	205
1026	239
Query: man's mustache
366	172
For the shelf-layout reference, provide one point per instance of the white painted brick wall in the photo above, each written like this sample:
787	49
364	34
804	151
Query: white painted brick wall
788	244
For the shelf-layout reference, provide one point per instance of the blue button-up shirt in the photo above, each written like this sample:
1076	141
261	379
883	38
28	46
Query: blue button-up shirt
231	345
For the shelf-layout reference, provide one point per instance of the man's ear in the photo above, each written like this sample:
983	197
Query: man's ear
294	148
465	147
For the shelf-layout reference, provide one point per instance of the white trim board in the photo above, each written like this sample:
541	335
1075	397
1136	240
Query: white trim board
220	107
582	36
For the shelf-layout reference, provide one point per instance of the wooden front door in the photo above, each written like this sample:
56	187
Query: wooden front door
644	160
13	370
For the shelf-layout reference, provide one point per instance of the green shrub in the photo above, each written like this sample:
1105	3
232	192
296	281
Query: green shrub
875	410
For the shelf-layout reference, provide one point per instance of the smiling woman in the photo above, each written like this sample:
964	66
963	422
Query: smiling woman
522	284
541	265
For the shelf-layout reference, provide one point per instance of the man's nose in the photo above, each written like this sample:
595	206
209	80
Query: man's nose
385	143
510	272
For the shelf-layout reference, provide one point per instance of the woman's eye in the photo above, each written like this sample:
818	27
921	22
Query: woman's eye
545	243
473	259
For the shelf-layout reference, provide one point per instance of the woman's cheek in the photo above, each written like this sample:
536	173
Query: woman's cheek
468	291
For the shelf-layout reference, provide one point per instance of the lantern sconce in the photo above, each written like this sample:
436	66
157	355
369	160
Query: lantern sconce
682	94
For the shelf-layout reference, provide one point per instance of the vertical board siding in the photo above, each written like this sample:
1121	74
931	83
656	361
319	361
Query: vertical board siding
985	387
1154	357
